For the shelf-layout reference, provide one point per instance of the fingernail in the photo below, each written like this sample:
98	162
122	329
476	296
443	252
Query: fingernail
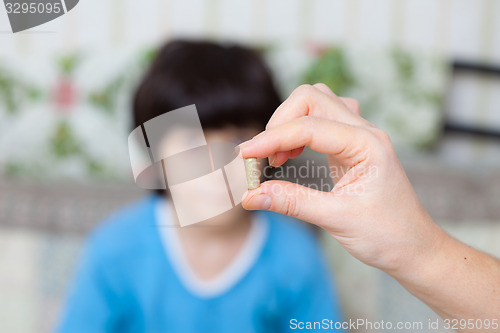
245	143
239	148
259	202
271	159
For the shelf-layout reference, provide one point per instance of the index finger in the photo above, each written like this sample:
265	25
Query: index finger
348	143
317	101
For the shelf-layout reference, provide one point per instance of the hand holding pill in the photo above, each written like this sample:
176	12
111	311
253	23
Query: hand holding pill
372	210
372	199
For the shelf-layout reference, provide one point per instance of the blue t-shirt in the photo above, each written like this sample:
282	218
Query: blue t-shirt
127	281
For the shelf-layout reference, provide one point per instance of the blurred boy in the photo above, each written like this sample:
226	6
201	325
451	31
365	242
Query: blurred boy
237	272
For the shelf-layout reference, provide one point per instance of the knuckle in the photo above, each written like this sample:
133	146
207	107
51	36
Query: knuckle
353	105
383	144
356	107
290	206
321	85
304	90
382	136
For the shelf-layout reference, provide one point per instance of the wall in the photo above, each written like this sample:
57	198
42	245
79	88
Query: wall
460	28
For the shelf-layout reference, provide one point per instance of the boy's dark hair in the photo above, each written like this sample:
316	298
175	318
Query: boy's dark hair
229	84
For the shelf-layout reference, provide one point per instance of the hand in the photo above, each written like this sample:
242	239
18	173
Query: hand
372	210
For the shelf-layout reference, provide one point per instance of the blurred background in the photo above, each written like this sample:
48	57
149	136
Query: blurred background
427	72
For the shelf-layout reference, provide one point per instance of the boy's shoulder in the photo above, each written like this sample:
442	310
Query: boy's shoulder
128	229
292	251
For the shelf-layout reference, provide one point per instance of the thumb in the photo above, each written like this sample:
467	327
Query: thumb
293	200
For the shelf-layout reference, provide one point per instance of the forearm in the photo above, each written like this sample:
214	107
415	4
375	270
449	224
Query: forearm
458	282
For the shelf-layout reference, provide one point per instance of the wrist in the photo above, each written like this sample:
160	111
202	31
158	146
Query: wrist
423	257
452	278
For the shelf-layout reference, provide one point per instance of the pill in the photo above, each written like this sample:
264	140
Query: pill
253	173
